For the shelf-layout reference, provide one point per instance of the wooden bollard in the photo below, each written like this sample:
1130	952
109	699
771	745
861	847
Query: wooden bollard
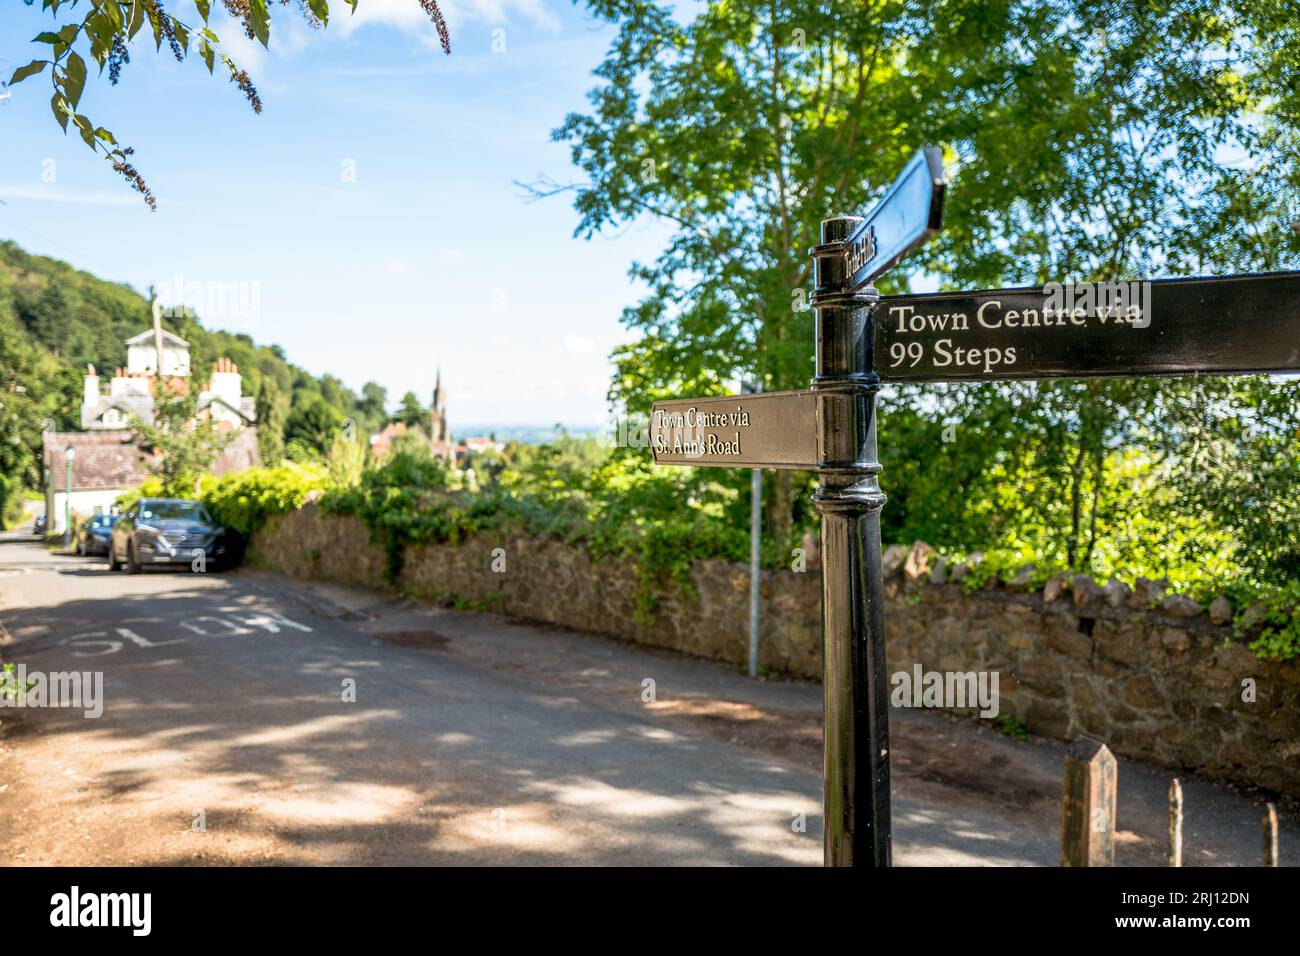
1088	807
1270	835
1175	823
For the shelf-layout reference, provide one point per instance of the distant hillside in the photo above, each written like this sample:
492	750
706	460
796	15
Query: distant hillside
54	320
528	434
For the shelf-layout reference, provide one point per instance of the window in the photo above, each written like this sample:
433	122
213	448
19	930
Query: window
175	510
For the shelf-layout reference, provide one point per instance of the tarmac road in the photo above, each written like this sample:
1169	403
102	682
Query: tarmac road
227	738
224	694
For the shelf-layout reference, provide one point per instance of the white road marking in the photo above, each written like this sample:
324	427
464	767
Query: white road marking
139	641
206	625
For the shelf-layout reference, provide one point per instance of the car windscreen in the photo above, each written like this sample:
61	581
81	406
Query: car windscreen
175	510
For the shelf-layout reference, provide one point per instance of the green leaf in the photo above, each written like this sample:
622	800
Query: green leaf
47	37
86	129
105	136
113	13
102	33
321	8
61	110
74	78
205	49
205	7
155	21
31	69
261	20
136	19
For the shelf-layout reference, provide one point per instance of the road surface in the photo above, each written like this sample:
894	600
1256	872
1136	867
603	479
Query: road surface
252	719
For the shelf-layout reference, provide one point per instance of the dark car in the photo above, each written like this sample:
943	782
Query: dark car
95	534
166	531
38	526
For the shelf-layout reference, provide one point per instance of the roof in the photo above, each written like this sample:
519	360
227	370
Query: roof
104	460
146	338
245	413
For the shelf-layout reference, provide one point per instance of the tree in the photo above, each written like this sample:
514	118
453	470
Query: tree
373	405
50	318
20	417
411	412
312	423
270	424
185	444
1086	141
411	442
105	30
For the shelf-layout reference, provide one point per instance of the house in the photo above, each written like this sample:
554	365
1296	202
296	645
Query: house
106	457
105	463
132	389
381	443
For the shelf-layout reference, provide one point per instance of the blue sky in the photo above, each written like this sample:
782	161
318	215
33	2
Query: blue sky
429	257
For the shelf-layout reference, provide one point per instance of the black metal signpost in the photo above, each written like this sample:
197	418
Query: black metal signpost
1168	327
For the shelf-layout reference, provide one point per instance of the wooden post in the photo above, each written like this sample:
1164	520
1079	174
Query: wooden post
1088	806
1270	835
1175	823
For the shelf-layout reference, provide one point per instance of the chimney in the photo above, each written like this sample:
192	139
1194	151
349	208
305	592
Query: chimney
90	393
227	385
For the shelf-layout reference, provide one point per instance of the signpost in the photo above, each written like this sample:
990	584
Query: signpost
1169	327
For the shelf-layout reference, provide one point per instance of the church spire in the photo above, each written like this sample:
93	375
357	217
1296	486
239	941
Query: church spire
438	418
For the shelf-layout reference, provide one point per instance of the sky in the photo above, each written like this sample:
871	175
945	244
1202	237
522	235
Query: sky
368	221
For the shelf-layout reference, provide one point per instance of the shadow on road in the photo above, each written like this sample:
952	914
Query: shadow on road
214	705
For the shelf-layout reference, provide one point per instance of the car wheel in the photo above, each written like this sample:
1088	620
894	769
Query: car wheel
132	566
113	563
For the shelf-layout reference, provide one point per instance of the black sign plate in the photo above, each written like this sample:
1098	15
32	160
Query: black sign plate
1231	325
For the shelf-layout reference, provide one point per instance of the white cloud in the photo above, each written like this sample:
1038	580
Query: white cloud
248	54
54	194
578	344
409	16
290	33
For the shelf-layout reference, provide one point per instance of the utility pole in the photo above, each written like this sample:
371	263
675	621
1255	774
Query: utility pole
156	309
755	551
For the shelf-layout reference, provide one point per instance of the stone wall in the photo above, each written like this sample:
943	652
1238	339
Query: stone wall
1154	675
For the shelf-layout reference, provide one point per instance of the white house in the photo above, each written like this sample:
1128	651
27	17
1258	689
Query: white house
88	470
131	390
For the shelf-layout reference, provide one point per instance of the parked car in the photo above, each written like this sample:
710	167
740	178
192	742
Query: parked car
165	531
38	526
95	534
